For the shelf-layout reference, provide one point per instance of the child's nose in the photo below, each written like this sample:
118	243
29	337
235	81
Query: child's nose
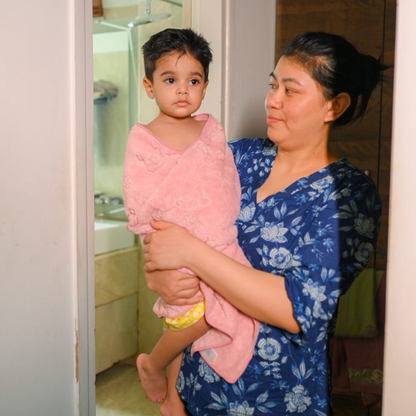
182	88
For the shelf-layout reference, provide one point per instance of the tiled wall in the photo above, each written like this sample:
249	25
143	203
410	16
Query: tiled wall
125	323
116	277
111	117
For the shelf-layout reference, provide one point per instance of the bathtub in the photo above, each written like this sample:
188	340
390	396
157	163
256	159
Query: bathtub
111	236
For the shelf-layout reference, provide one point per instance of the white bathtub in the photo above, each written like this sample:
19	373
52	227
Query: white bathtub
111	235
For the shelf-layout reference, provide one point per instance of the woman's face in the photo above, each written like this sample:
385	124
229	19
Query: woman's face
297	112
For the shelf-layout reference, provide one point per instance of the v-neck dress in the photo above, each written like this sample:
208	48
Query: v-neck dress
319	233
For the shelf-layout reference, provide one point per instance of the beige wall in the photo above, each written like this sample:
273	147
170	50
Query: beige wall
38	256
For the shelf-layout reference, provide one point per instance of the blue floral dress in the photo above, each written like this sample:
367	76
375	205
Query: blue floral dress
319	233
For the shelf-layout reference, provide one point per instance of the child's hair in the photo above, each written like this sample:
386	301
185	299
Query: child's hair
338	67
182	41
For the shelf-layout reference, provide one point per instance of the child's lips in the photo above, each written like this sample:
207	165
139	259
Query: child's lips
182	103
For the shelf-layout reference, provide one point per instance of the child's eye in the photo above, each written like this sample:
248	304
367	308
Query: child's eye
194	82
169	81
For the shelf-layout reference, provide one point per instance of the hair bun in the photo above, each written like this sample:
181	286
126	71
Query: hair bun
372	70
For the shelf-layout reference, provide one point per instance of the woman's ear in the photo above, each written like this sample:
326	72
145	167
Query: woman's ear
148	86
337	107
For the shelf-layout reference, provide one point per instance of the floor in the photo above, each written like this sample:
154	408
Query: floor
119	393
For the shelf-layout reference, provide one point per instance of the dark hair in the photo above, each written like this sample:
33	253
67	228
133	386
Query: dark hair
183	41
338	67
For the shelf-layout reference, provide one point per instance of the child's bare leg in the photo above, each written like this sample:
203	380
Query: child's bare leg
152	367
153	380
173	404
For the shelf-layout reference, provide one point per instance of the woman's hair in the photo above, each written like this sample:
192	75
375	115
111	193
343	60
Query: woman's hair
182	41
338	67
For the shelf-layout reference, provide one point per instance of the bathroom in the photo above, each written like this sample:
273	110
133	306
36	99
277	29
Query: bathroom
125	324
122	303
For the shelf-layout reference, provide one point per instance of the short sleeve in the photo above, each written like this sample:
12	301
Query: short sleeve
241	148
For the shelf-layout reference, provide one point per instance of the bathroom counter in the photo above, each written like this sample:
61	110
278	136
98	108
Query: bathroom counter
116	295
111	236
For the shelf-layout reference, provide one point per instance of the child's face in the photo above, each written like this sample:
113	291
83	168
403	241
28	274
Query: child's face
178	85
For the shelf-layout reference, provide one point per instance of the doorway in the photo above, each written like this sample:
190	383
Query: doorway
120	28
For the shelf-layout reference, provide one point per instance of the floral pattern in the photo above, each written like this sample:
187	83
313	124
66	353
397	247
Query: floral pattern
319	234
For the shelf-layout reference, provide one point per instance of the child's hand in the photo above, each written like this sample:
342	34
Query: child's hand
174	287
167	247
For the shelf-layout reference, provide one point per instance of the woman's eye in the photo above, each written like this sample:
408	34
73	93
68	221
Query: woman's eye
273	86
289	91
170	81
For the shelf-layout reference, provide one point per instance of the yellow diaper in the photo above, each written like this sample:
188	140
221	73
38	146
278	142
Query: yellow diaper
192	316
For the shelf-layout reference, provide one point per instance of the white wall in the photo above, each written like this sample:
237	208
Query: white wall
204	12
250	52
242	36
38	269
400	357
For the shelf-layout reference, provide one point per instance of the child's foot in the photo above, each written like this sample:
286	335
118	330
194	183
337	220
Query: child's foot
154	382
173	407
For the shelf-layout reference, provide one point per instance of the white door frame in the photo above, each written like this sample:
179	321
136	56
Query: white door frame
84	189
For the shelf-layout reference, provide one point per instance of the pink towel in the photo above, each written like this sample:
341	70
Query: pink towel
198	189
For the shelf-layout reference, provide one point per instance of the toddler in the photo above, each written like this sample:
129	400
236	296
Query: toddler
179	168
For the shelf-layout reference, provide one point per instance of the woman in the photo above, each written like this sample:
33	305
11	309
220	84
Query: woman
308	225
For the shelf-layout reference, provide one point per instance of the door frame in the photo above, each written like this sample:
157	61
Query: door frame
82	78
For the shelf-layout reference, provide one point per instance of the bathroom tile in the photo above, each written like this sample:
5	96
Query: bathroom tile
150	327
115	331
125	11
119	393
116	275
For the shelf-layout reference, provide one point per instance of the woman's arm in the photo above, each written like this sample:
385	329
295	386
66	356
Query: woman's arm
258	294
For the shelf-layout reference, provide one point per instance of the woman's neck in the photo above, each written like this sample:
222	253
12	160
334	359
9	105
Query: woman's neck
309	160
288	167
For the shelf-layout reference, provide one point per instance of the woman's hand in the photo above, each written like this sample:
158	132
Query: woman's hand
256	293
174	287
167	247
